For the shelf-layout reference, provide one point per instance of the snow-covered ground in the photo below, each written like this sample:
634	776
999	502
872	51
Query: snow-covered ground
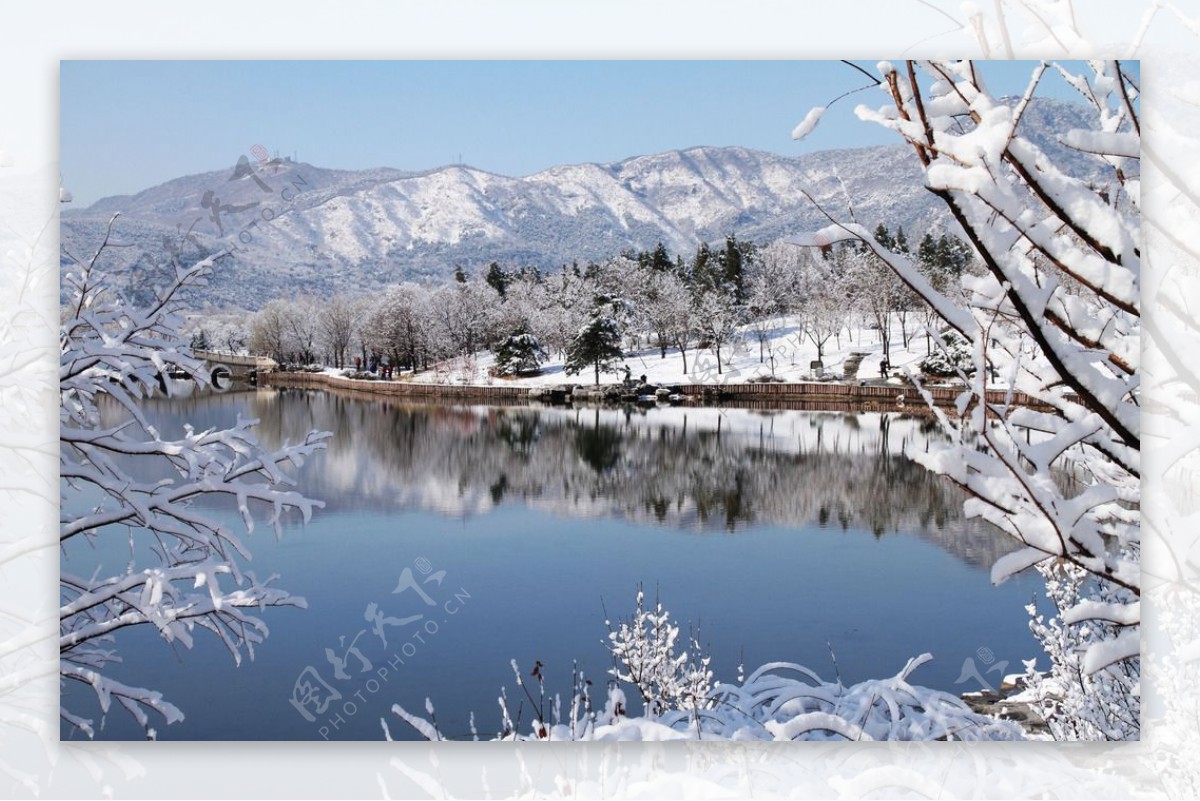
786	353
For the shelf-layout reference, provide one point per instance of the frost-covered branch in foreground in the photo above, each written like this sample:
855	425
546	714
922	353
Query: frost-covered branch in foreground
1056	316
123	480
779	701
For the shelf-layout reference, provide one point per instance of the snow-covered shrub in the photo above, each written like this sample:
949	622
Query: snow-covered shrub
643	650
184	569
952	357
1078	703
467	367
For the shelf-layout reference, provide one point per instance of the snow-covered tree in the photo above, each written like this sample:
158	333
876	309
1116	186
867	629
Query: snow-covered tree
303	322
397	324
643	649
771	291
519	352
597	344
876	291
269	331
199	340
464	317
1057	311
665	308
183	571
336	323
562	303
719	317
219	331
1078	704
287	330
620	282
824	297
682	323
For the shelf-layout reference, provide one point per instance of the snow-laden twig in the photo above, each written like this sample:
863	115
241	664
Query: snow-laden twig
114	355
1056	313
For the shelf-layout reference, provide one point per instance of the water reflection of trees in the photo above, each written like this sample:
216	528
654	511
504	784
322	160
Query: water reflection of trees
699	469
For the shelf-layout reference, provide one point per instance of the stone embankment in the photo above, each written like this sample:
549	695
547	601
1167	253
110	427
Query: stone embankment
1009	702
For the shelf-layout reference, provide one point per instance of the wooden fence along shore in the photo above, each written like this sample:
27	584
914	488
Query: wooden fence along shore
825	396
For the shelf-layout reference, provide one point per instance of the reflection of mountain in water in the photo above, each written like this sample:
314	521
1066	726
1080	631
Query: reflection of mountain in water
703	469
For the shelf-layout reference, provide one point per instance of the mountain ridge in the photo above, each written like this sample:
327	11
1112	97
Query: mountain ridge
299	228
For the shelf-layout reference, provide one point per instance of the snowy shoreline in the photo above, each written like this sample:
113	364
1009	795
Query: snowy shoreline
784	369
869	396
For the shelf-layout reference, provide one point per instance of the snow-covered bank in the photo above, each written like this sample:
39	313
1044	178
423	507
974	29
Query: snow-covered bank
839	396
784	354
780	701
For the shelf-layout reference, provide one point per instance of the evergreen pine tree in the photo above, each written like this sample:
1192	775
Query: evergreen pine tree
954	253
660	260
734	261
700	263
883	237
498	280
597	344
927	251
935	260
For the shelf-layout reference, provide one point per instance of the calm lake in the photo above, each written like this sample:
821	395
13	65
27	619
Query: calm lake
455	539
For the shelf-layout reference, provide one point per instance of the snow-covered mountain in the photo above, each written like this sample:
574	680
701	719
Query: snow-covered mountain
303	229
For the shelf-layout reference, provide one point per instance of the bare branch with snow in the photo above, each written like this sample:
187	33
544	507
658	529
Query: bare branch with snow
185	569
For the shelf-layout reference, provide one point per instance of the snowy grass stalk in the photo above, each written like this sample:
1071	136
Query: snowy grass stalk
426	728
537	704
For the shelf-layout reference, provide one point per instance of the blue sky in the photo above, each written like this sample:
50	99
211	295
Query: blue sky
129	125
